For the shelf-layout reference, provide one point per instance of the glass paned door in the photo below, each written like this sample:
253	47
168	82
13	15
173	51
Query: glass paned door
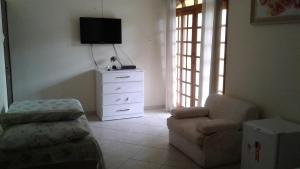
188	52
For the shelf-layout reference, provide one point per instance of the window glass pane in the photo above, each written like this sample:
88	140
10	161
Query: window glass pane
177	21
189	63
189	36
197	78
197	92
183	48
188	102
223	33
198	53
189	76
222	51
199	35
183	100
178	60
224	15
190	21
188	89
189	2
184	62
183	88
189	49
220	83
199	19
179	6
221	67
196	103
180	22
179	36
183	75
178	73
197	64
199	1
184	35
185	20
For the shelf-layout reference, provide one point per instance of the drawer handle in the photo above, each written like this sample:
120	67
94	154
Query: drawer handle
123	110
126	99
118	99
118	88
123	77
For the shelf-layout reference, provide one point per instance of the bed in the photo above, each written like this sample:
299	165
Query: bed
44	150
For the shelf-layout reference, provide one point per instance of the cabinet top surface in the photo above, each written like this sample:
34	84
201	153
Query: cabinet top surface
120	71
276	125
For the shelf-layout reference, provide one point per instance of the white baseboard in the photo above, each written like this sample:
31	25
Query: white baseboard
155	107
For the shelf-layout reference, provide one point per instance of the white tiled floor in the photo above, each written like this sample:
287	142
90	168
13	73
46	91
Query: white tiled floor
139	143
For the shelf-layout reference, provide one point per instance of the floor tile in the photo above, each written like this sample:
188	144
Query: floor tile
140	143
114	161
135	164
233	166
177	159
171	167
119	149
153	155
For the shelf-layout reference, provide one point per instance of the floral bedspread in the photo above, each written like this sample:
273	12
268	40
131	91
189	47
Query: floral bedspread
82	149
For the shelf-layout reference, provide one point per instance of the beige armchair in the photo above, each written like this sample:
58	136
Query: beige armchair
211	135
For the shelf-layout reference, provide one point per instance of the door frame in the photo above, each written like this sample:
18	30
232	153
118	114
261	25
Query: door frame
7	58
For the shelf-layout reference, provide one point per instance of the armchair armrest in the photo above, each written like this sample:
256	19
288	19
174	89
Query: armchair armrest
181	113
217	125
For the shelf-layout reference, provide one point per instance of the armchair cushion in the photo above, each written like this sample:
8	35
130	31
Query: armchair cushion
181	113
217	125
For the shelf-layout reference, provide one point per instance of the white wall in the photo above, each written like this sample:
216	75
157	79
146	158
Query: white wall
3	90
263	63
48	60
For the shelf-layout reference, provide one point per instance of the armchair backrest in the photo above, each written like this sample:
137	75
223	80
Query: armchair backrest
226	107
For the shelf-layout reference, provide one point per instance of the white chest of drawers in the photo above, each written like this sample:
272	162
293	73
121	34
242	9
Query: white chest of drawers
120	94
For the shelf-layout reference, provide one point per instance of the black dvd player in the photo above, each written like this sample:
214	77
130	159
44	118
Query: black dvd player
128	67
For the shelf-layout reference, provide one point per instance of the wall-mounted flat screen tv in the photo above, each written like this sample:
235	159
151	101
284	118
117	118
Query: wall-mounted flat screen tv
100	30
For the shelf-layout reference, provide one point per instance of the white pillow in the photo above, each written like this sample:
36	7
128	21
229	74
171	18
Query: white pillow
41	111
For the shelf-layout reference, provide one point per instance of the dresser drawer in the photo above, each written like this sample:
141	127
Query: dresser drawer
109	88
123	77
117	110
124	98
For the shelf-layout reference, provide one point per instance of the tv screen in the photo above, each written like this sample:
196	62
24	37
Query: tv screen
100	31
